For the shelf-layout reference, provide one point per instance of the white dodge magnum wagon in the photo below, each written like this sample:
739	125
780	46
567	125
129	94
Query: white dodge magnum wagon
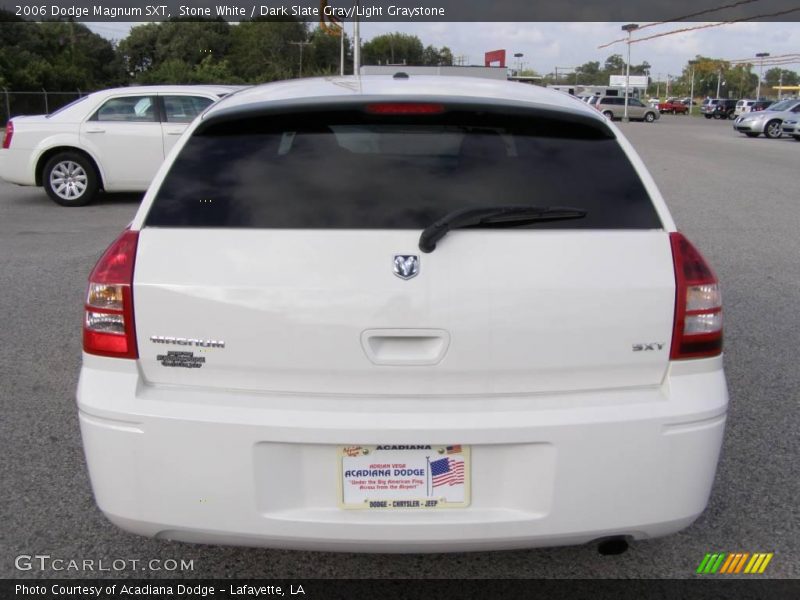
402	314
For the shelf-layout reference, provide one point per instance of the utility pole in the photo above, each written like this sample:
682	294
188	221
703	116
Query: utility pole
630	28
691	93
357	43
762	56
301	44
780	84
719	81
341	51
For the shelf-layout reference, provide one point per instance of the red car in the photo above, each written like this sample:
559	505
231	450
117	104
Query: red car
674	106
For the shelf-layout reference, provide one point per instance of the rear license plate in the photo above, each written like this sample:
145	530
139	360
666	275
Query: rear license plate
391	477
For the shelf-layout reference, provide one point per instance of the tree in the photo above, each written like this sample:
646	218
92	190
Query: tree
776	76
262	50
150	46
589	74
56	56
393	49
614	65
434	57
323	56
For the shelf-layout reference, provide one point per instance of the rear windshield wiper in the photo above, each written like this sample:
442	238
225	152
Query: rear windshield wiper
492	215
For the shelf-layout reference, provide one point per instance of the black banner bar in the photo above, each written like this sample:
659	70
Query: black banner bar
85	11
391	589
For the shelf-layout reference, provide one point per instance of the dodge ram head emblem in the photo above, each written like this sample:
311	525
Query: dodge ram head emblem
406	266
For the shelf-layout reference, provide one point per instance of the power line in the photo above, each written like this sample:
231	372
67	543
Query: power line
757	59
690	16
697	14
710	25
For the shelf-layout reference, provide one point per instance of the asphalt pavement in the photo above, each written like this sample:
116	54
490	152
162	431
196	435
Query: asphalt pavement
738	200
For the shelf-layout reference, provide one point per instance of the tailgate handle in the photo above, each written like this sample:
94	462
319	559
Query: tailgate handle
405	347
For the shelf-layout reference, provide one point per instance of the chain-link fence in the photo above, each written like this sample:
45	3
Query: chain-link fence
16	103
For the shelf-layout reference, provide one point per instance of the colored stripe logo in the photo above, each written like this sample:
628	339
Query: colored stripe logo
729	563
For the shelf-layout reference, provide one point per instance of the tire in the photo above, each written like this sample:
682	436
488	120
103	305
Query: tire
796	138
731	116
717	116
751	134
773	129
70	179
649	117
707	116
608	114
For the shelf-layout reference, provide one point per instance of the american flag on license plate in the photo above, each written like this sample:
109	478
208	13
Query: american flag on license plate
447	471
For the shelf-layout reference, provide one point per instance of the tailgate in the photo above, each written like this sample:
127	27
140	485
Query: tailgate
490	312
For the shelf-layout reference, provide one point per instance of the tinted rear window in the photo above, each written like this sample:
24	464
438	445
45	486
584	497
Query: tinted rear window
351	170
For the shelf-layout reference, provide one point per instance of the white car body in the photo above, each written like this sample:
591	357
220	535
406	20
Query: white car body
556	374
125	153
743	106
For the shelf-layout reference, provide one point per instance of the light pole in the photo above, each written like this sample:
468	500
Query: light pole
719	80
762	56
691	93
629	28
519	56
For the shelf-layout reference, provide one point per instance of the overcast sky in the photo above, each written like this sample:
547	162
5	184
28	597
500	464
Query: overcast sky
547	45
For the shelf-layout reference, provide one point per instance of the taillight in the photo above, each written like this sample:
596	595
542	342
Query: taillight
697	330
404	108
8	135
108	327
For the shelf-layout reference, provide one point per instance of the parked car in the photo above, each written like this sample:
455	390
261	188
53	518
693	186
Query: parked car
718	108
745	106
768	121
688	101
406	315
673	106
613	107
113	140
791	127
761	105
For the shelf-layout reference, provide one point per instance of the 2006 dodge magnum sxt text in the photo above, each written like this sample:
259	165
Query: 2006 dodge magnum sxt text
402	314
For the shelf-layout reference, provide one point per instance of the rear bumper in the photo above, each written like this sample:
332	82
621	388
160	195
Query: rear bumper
257	469
15	167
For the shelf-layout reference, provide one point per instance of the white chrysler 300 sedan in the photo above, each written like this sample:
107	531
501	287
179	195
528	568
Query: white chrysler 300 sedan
402	314
113	140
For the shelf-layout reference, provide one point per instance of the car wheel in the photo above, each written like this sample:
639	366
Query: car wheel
649	117
717	116
731	116
751	134
70	179
797	138
608	114
707	116
773	129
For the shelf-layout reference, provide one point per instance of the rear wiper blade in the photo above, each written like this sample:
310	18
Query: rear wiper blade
489	215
